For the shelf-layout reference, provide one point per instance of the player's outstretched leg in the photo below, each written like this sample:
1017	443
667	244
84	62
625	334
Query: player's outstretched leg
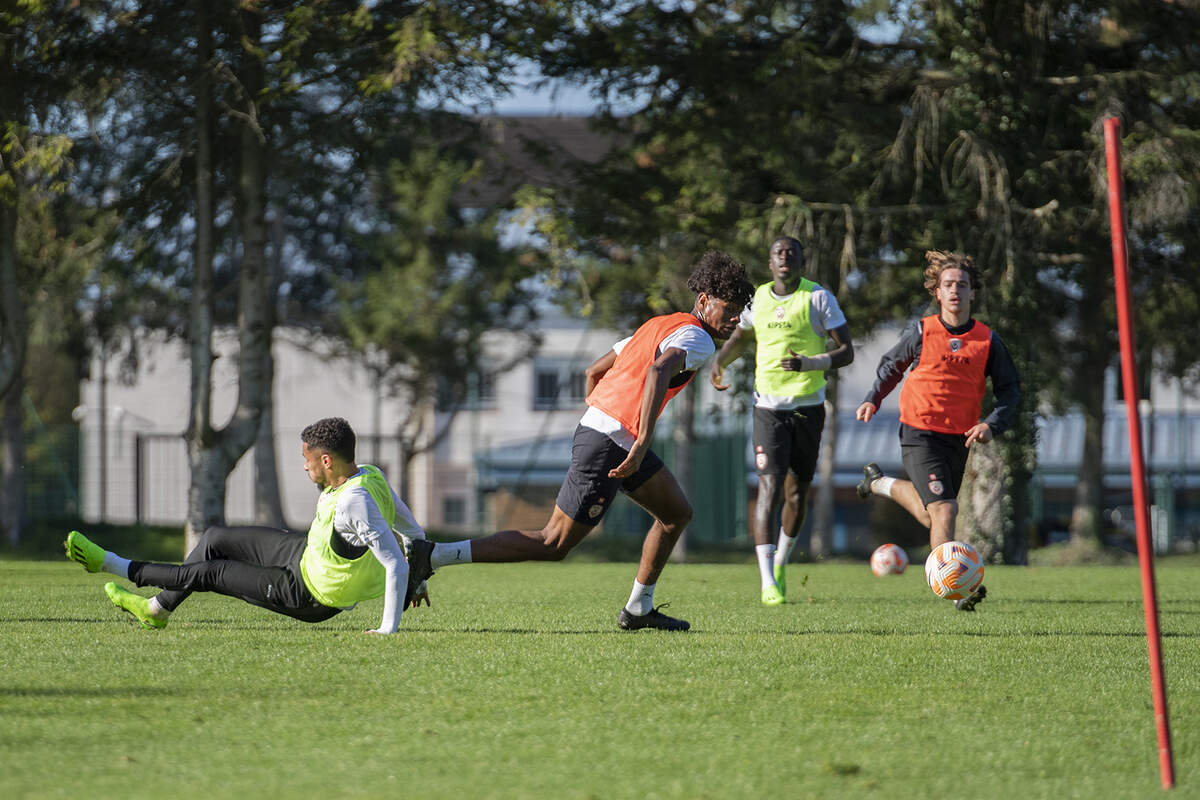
82	551
871	473
136	606
654	619
969	603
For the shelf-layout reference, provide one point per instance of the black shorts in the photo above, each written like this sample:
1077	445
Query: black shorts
587	492
788	440
935	462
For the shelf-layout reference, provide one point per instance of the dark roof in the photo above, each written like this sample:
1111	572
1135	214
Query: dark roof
542	151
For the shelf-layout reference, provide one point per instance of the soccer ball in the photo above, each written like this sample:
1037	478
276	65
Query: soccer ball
953	570
888	559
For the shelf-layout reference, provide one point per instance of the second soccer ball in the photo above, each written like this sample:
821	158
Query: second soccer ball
888	559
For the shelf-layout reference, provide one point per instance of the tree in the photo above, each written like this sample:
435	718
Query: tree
283	102
47	242
441	282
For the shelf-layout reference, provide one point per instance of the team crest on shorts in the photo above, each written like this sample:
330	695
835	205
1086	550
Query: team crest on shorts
595	511
760	457
935	486
955	345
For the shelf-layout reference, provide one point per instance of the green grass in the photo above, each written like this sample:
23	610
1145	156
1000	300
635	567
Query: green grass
517	684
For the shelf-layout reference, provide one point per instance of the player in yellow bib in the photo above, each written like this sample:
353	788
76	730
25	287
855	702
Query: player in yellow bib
350	553
789	321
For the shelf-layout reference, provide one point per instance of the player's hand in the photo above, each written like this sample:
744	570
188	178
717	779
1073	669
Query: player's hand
981	433
865	412
795	363
419	594
630	464
716	376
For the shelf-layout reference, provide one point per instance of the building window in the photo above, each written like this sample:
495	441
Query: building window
558	384
454	510
479	392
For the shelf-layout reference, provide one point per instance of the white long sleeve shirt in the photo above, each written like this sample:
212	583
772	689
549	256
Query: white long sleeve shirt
358	520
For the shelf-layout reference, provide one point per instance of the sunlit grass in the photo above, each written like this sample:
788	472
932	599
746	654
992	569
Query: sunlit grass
517	683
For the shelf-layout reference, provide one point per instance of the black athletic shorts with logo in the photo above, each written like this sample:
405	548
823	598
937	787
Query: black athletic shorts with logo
587	492
935	462
788	440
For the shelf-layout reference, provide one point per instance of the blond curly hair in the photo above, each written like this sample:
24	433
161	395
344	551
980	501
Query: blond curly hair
940	260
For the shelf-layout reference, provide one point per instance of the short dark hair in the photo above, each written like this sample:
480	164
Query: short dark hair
333	435
793	240
940	260
717	274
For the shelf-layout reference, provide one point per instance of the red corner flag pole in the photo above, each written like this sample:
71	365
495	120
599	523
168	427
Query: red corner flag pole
1116	214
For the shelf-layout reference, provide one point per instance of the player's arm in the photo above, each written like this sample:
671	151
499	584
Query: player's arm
731	351
840	356
406	527
597	368
359	520
669	364
1006	387
386	548
891	369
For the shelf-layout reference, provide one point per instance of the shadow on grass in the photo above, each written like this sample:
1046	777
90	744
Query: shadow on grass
85	691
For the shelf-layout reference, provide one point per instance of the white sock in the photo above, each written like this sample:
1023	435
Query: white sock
446	553
883	486
784	551
641	599
115	565
156	609
766	563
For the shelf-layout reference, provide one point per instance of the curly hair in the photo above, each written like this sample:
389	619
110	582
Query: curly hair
333	435
717	274
940	260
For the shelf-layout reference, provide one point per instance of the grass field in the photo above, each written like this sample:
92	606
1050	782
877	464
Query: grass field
517	684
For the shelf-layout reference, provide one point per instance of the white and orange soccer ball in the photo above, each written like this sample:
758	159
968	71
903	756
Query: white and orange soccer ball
954	570
888	559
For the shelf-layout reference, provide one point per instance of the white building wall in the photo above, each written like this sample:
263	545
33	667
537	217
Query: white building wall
311	381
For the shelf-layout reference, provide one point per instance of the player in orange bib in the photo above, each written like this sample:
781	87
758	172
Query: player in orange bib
627	388
952	356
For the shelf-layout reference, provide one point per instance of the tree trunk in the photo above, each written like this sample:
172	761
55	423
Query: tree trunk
268	507
985	506
202	510
821	539
206	493
14	518
213	454
1089	488
12	309
1089	382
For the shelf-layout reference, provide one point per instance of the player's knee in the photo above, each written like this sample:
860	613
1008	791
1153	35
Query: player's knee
213	534
556	544
682	516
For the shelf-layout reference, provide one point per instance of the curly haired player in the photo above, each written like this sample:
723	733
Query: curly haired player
627	388
952	356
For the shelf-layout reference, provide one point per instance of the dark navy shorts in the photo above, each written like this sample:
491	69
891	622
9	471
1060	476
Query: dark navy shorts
788	440
935	462
587	492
